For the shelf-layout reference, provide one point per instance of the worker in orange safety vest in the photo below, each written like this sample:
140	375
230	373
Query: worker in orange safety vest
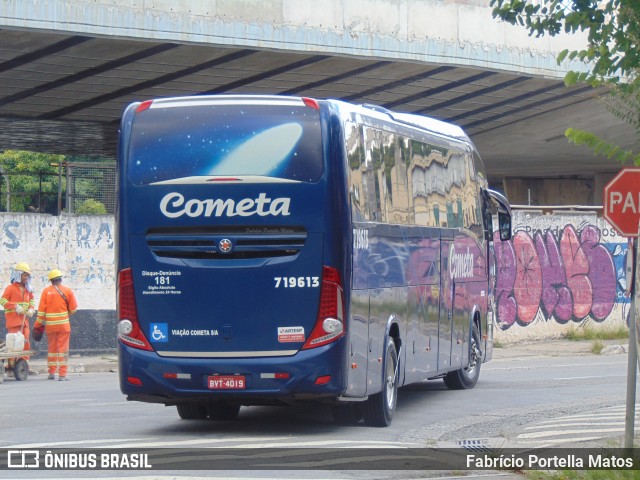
57	304
19	304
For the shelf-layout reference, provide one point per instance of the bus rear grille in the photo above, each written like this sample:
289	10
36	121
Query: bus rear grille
246	243
227	256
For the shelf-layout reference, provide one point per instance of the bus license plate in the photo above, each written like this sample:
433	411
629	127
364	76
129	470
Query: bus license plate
226	382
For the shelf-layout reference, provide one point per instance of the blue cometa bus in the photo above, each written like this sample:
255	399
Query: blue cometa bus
279	250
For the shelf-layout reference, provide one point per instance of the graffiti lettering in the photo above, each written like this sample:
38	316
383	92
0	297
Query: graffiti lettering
83	231
104	233
570	279
15	243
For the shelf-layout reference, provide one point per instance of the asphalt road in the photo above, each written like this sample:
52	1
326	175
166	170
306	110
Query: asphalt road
525	398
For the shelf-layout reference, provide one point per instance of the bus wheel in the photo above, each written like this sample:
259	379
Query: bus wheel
348	414
21	369
379	408
192	411
218	411
467	377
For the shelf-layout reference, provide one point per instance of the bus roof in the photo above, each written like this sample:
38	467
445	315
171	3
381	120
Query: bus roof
427	124
421	122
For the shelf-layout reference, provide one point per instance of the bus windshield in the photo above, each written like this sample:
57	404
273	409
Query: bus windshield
214	140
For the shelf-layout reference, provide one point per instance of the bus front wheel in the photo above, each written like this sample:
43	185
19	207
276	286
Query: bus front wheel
378	410
467	377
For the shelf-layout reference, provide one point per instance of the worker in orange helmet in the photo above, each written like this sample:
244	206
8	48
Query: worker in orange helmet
19	304
57	304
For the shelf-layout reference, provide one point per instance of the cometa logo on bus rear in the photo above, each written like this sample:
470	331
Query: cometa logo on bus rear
174	205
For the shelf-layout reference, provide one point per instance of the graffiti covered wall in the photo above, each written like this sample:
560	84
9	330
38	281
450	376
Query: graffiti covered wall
81	246
558	272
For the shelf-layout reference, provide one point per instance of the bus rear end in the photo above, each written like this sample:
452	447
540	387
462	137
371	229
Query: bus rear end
225	296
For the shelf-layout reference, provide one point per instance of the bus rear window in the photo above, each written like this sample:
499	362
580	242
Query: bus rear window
170	143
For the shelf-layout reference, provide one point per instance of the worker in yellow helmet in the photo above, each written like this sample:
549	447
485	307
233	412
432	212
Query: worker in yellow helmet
19	304
57	304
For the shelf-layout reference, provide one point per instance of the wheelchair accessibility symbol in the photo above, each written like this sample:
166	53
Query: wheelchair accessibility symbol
159	332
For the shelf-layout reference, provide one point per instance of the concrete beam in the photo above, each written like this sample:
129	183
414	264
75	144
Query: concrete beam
457	32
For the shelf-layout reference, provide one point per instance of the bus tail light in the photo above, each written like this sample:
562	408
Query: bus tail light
129	331
323	380
146	105
134	381
330	321
311	103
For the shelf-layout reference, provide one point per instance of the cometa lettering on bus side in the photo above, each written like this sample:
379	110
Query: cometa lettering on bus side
460	264
174	205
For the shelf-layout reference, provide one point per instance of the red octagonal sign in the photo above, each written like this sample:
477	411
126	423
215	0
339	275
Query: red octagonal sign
622	202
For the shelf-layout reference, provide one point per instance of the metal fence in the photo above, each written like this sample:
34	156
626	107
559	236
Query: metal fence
78	187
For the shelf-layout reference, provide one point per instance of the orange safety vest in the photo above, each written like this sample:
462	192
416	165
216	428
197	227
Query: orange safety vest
53	309
13	295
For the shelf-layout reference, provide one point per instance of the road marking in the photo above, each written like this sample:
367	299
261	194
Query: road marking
530	366
589	376
578	424
546	443
553	433
237	442
603	423
74	442
286	442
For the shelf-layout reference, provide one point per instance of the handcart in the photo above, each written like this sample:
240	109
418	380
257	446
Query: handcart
20	366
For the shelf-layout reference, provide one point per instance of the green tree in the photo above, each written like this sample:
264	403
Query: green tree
91	207
20	169
612	54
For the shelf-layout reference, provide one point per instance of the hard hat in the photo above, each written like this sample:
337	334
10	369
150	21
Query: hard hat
55	273
23	267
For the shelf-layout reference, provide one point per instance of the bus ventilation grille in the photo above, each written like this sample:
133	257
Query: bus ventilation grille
244	246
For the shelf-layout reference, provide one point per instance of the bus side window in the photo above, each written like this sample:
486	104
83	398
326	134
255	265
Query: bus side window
356	173
488	222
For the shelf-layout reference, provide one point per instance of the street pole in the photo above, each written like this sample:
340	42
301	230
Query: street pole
632	358
59	187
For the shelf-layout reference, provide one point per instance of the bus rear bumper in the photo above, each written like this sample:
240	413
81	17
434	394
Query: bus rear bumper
310	375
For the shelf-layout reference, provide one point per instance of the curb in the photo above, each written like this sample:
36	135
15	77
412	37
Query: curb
554	348
557	348
90	364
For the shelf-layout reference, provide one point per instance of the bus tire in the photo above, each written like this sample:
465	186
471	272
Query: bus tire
192	411
21	369
378	410
467	377
221	411
348	414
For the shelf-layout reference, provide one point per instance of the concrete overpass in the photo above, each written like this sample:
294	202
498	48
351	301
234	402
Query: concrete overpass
69	67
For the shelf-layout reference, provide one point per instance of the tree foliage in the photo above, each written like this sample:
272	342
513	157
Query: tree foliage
91	207
23	161
18	168
29	182
612	53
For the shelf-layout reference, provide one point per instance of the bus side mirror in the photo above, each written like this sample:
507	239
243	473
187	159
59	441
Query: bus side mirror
504	225
500	202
